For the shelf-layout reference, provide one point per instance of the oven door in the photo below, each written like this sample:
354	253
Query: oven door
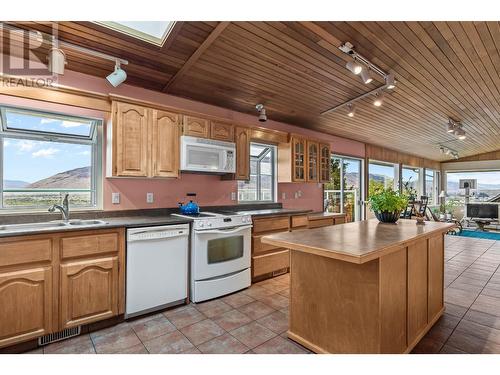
218	252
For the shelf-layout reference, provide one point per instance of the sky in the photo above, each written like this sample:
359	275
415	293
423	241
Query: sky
30	161
492	178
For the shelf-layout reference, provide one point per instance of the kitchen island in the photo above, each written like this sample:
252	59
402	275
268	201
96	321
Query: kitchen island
364	287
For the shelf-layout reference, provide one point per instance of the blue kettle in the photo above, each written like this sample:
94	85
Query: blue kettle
190	208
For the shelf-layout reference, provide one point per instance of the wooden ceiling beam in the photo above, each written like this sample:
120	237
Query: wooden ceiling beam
197	54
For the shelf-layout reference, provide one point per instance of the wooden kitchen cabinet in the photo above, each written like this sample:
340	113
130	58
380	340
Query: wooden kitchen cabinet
242	138
165	154
221	131
324	163
25	304
130	140
55	281
299	159
196	126
95	278
144	142
312	161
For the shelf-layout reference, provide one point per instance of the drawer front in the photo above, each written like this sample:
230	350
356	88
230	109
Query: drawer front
299	221
271	224
320	223
25	251
267	263
339	220
258	247
73	247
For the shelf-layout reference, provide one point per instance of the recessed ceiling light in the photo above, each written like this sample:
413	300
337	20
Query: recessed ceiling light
354	67
351	110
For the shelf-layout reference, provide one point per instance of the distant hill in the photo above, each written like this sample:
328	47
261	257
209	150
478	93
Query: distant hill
14	184
78	178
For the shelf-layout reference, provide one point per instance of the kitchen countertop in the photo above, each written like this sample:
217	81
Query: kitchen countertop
275	211
323	215
356	242
113	222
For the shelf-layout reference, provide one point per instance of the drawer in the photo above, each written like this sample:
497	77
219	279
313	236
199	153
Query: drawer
339	220
73	247
299	221
270	224
267	263
258	247
321	222
25	251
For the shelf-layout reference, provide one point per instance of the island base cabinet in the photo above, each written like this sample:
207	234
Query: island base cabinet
25	304
385	305
89	291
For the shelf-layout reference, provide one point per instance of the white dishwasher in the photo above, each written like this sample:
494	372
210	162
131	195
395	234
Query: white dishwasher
157	268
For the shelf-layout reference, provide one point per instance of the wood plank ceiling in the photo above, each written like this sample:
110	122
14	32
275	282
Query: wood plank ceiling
443	69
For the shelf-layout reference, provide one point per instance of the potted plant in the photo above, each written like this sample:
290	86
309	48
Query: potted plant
387	205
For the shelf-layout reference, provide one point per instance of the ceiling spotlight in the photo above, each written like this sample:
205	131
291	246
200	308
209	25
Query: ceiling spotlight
354	67
390	81
442	149
379	98
460	133
450	127
118	76
57	60
262	112
455	155
365	76
351	110
447	151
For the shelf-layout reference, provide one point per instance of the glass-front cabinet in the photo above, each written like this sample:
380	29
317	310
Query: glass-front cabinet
312	161
324	163
299	159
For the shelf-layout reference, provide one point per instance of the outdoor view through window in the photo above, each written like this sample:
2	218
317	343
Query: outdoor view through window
44	156
488	186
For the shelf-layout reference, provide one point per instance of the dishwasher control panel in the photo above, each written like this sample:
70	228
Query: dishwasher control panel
139	234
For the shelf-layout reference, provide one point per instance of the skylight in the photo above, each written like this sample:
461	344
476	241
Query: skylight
155	32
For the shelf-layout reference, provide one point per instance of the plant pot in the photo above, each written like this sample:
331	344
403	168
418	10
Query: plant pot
387	217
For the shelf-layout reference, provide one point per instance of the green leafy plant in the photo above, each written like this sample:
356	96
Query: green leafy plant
387	200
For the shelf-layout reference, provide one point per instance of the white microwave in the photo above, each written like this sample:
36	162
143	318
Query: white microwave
207	155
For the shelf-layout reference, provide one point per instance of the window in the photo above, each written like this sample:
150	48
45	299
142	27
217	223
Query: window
487	183
410	178
46	155
262	184
155	32
431	188
343	194
382	176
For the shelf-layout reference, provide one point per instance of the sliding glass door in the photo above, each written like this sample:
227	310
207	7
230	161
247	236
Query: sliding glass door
343	194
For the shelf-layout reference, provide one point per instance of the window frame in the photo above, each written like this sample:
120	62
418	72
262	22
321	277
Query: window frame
274	177
396	173
94	139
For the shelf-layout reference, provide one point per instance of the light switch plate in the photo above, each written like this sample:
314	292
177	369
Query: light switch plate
233	195
149	197
115	198
283	195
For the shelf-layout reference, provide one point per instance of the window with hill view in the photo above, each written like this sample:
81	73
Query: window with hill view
261	186
45	156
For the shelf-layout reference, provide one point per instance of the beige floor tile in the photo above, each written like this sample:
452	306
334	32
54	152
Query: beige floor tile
276	322
213	308
203	331
116	341
186	317
171	343
256	310
279	345
237	299
150	328
232	319
253	334
275	301
483	318
225	344
472	344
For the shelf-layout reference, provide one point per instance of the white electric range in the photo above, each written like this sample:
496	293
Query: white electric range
220	253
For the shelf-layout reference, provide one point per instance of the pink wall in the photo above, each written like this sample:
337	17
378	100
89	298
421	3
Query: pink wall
210	189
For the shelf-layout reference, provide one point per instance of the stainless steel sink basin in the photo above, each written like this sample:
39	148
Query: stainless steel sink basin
32	226
86	222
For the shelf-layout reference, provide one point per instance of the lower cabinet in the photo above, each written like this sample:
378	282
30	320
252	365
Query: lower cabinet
25	304
56	281
88	291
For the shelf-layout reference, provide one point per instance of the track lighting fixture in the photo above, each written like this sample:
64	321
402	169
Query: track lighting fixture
57	61
118	76
354	67
379	98
262	112
351	110
390	81
365	76
455	128
460	133
448	151
450	127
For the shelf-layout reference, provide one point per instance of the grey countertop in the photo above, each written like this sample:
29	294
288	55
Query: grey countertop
113	222
276	211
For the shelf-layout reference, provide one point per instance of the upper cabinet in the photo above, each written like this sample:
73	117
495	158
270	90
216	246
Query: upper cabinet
242	153
196	126
303	160
143	142
324	162
130	140
221	131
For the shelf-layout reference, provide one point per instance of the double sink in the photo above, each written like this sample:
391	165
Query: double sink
50	225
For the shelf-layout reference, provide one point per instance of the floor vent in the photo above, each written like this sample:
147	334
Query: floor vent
58	336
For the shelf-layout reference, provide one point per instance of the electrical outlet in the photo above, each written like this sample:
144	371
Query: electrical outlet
115	198
283	196
149	197
297	195
233	195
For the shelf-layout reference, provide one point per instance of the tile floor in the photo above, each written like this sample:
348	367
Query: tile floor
255	320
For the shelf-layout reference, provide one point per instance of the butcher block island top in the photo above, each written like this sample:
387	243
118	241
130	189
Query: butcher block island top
364	287
356	242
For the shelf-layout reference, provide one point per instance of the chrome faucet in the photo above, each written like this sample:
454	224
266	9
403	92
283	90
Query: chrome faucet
64	208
